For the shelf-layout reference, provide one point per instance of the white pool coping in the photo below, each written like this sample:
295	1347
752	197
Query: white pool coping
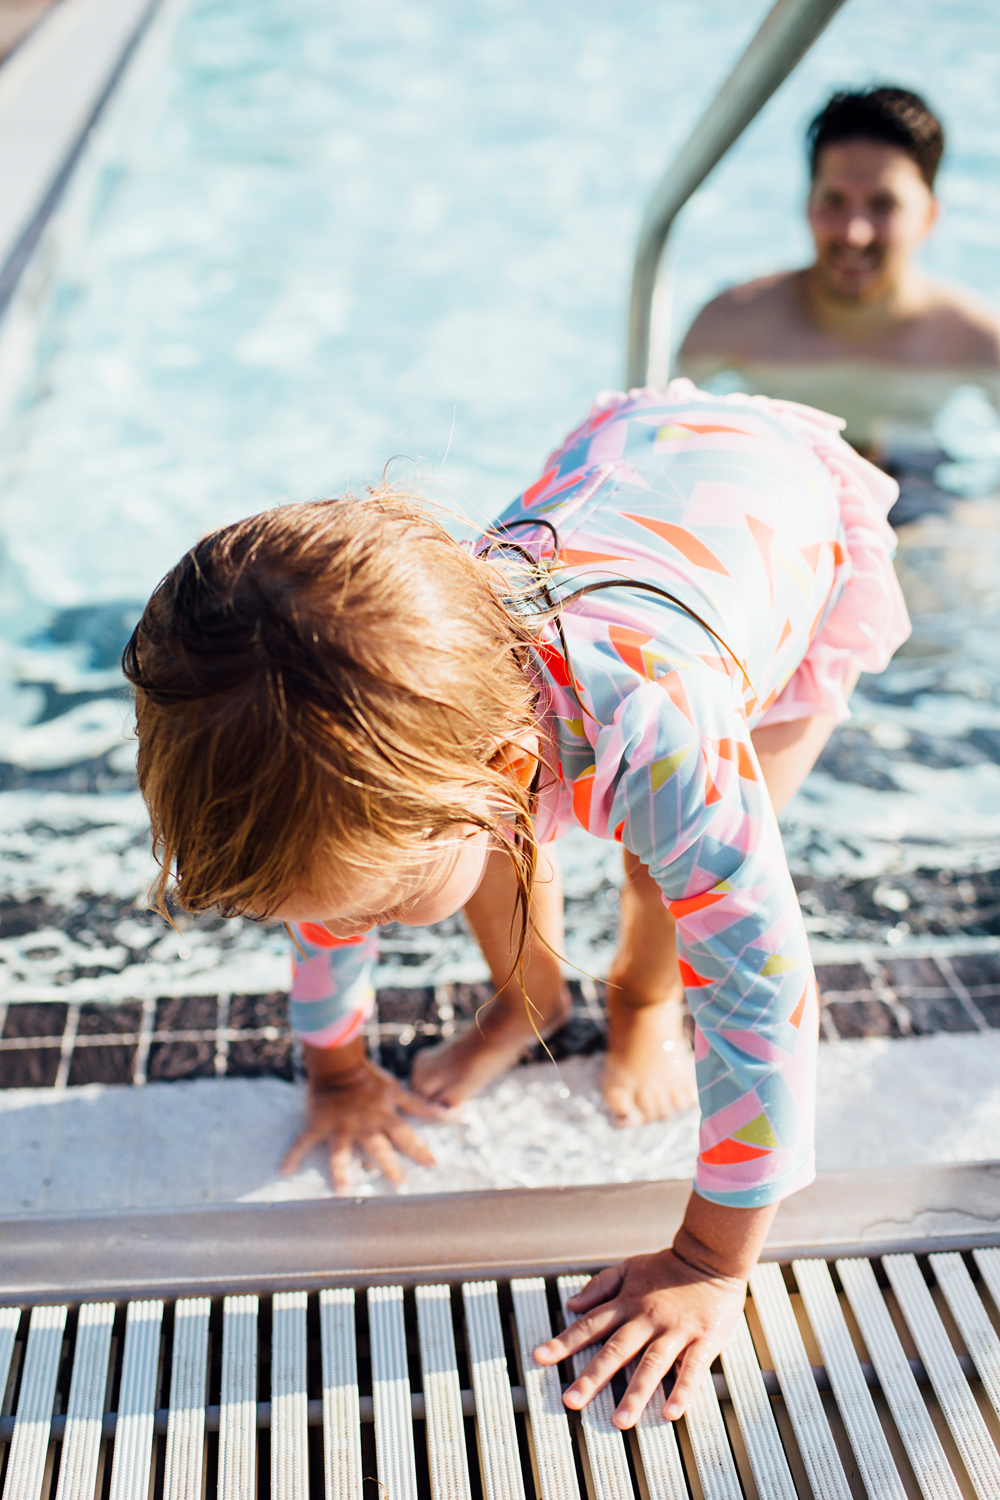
50	90
882	1103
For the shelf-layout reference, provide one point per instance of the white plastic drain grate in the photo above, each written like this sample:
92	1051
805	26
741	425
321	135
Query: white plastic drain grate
430	1393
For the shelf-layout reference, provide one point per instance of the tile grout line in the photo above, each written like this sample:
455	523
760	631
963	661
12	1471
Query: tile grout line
588	990
222	1036
444	1004
883	991
66	1046
964	998
146	1028
828	1025
133	1038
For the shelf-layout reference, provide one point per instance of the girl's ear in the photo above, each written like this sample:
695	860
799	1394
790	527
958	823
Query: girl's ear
518	758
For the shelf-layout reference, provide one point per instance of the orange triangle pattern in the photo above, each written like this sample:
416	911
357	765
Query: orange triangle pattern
583	791
688	904
730	1151
674	688
707	427
689	546
628	644
763	536
690	979
554	660
316	933
795	1019
576	558
540	485
737	751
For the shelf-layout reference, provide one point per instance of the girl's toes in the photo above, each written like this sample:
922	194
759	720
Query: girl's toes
655	1106
621	1106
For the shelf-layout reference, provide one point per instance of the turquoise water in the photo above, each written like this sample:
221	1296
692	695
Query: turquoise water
309	240
312	238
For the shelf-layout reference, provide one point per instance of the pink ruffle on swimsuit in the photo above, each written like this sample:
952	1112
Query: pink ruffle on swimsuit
756	516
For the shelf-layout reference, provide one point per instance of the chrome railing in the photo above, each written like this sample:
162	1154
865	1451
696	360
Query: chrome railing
787	33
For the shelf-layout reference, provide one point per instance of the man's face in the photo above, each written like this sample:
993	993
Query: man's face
869	208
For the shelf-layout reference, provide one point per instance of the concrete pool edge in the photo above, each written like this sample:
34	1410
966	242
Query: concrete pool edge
52	90
523	1230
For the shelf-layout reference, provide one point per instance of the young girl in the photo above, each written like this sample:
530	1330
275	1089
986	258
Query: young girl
346	719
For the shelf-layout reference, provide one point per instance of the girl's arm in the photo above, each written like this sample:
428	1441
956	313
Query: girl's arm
352	1104
675	778
678	1305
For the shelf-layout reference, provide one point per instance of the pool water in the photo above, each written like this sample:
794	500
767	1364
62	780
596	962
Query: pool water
310	241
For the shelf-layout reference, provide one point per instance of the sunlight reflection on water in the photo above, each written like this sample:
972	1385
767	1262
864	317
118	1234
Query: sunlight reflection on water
308	239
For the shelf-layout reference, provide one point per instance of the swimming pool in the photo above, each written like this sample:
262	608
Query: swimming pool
307	241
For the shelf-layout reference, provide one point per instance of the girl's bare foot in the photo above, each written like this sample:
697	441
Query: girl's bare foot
453	1072
649	1071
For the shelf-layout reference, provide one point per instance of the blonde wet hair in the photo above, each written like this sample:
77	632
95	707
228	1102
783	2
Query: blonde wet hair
324	687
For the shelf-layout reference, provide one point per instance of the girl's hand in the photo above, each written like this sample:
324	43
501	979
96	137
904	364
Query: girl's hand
353	1104
652	1302
679	1305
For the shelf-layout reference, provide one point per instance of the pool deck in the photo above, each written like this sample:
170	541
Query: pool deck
50	89
883	1103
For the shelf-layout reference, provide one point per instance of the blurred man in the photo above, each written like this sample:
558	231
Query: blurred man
862	332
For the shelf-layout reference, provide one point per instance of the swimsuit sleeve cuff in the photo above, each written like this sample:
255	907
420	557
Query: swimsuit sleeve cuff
759	1195
342	1029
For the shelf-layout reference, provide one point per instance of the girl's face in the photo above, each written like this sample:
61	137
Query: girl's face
420	894
423	894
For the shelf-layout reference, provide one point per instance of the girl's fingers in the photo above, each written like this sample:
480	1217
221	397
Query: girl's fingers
578	1335
606	1363
377	1147
341	1159
409	1143
651	1369
298	1151
697	1358
600	1288
415	1104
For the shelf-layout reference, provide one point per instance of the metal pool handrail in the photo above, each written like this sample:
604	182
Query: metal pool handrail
788	31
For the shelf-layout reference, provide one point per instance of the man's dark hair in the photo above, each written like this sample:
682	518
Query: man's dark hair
892	116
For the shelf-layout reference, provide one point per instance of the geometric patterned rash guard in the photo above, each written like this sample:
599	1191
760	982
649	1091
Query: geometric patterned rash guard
756	516
332	994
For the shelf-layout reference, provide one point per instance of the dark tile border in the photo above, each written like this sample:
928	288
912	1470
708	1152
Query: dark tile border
52	1044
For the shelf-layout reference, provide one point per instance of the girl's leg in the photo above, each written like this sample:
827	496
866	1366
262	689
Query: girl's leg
642	1081
503	1030
649	1069
788	752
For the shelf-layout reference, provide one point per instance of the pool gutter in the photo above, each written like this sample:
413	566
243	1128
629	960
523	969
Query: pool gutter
265	1247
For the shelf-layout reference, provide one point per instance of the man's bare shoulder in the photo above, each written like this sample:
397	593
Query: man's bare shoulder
740	319
965	328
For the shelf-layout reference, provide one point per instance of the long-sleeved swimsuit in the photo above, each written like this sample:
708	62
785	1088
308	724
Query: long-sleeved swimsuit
757	517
